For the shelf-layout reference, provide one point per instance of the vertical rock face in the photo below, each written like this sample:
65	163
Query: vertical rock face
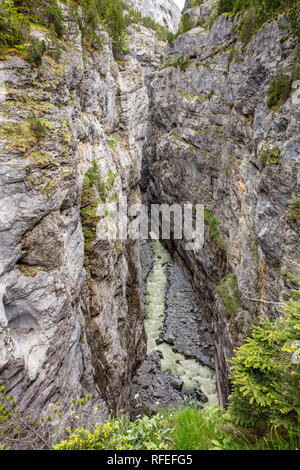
70	303
70	306
215	141
164	12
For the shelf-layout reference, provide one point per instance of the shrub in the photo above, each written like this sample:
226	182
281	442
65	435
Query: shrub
271	156
248	26
213	228
185	23
266	372
182	61
26	429
103	437
116	27
13	25
265	10
294	209
281	87
37	126
225	6
35	51
228	289
54	17
90	19
121	434
55	50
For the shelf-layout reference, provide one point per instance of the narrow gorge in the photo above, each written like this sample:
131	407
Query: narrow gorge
180	118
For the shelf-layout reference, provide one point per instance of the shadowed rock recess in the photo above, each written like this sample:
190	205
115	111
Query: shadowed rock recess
186	122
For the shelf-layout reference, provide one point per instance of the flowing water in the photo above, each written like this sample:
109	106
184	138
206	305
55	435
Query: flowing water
190	371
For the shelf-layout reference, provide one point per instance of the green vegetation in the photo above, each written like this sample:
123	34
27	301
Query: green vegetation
294	209
37	126
249	25
263	412
195	3
121	434
281	87
16	16
185	23
24	135
35	51
132	16
232	52
271	156
228	289
266	373
13	25
214	429
256	12
93	191
182	61
111	13
213	225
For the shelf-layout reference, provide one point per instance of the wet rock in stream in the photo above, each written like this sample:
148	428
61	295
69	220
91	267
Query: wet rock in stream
182	343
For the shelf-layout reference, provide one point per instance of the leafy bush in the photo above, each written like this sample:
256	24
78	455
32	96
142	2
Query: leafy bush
280	89
103	437
35	51
13	25
37	126
116	27
185	23
266	372
262	11
182	61
248	26
294	209
55	49
54	17
120	434
228	290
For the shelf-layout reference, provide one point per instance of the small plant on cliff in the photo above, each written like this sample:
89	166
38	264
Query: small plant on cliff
294	209
228	289
115	24
281	87
213	224
182	61
54	16
35	51
248	26
37	126
185	23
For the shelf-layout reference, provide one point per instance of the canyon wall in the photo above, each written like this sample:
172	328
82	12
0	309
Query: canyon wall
164	12
71	307
215	142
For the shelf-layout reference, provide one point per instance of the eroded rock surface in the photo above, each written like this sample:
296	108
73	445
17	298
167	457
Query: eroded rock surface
215	141
164	12
71	308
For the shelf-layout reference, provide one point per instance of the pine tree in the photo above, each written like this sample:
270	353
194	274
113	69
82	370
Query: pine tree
115	24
